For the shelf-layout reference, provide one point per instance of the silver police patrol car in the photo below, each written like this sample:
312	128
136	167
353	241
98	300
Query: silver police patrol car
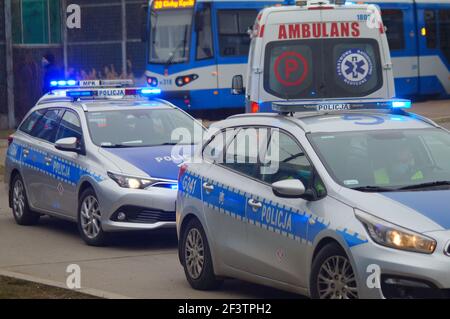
348	201
101	156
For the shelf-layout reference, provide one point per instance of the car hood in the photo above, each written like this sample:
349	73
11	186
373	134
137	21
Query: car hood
422	211
155	161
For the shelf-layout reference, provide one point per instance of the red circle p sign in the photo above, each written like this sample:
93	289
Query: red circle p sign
291	68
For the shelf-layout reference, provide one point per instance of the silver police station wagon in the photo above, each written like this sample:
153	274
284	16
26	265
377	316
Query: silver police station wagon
337	200
100	155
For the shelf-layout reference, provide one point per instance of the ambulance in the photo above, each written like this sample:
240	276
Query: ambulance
316	50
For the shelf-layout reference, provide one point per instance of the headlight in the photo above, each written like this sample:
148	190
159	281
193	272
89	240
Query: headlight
393	236
130	182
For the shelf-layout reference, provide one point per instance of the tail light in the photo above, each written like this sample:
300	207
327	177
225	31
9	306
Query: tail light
182	170
254	107
10	140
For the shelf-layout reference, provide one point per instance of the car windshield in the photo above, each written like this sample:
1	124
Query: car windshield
170	36
323	68
386	160
140	128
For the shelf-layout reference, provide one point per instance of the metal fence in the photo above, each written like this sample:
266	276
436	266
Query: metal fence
107	45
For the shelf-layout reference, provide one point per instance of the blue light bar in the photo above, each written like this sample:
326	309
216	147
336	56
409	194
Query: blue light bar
340	105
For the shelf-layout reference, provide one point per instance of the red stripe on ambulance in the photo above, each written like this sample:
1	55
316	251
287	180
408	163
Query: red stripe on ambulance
318	30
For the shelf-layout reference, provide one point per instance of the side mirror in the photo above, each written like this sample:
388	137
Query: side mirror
68	144
144	13
290	188
237	86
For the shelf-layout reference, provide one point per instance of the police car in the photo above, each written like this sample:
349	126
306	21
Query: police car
333	199
317	50
101	154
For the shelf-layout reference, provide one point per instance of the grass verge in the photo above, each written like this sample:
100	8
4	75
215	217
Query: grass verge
11	288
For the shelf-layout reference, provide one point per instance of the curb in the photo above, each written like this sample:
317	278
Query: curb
56	284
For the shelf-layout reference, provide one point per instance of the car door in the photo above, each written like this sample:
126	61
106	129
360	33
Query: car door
28	158
38	159
225	199
279	228
63	187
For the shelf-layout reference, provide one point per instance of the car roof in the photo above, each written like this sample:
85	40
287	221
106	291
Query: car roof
335	121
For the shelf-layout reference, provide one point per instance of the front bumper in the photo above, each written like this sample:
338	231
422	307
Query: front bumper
382	272
114	199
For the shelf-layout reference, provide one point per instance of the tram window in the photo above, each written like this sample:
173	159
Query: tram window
393	20
431	29
444	32
204	35
233	37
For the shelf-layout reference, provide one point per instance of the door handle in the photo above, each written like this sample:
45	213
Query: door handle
254	204
208	187
48	160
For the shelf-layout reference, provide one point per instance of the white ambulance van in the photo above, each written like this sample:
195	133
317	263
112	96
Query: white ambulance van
316	50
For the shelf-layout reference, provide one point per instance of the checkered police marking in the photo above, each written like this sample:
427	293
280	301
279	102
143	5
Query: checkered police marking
275	217
59	168
354	67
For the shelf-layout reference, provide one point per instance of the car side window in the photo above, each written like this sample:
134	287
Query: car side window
47	126
243	152
213	150
69	126
30	122
285	159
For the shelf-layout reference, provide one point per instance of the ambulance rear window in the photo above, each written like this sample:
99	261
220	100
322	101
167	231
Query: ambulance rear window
322	68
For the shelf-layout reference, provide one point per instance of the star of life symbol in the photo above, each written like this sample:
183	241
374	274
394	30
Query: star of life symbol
221	198
354	67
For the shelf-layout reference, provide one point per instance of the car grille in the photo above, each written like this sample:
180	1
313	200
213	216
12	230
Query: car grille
150	216
136	214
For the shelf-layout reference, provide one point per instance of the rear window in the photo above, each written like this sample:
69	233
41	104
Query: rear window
322	68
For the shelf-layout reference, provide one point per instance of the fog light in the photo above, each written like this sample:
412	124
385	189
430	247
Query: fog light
121	216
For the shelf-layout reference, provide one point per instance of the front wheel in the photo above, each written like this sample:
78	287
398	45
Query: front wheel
89	219
21	209
332	275
196	258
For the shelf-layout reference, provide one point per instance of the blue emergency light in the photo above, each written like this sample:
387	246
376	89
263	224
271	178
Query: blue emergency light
401	104
340	105
152	91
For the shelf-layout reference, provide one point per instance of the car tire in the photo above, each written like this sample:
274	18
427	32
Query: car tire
199	269
89	219
330	282
19	201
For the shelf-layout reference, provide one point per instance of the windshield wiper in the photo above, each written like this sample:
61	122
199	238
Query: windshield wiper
373	189
117	146
425	185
